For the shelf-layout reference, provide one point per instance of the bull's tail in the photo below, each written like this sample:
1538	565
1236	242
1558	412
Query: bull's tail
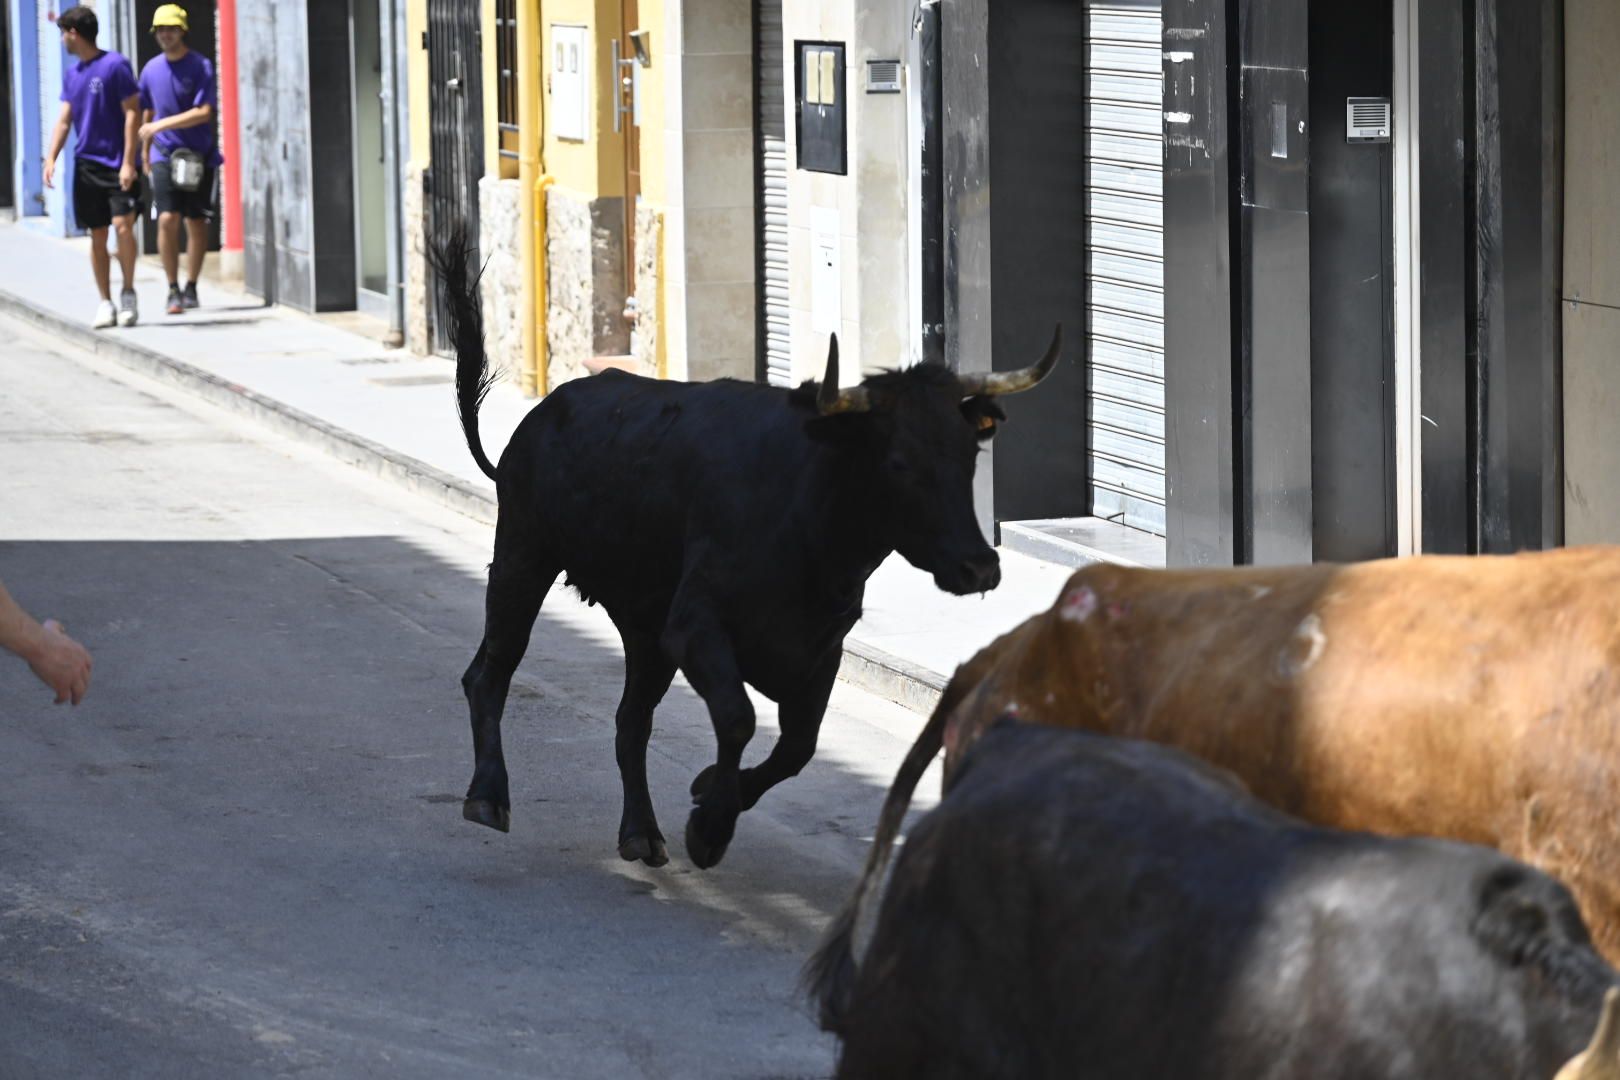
466	317
829	976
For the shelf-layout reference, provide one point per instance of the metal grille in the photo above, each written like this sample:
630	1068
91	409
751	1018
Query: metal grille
771	177
456	122
506	94
1125	262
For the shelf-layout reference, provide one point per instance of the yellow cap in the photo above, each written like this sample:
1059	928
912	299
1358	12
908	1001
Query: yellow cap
170	15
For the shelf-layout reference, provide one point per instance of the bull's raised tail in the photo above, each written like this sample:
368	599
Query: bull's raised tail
466	315
829	976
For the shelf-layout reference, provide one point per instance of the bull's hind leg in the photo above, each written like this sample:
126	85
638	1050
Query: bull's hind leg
647	673
516	588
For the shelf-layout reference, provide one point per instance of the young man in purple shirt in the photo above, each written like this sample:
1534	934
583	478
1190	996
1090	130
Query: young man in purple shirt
101	101
178	99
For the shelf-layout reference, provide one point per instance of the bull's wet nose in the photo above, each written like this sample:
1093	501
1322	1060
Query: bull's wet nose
982	573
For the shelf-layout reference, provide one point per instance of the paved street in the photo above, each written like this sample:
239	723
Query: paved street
244	854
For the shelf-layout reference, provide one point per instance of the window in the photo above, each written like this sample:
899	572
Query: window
506	82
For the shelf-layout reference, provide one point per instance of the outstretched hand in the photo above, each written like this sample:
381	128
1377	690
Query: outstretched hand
61	663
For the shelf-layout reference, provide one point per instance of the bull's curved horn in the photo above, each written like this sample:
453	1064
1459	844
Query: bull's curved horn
829	399
1011	382
1600	1060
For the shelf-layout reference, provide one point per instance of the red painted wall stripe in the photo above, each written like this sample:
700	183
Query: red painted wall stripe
230	131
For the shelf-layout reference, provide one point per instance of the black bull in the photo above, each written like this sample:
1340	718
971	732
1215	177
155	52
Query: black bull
728	529
1081	905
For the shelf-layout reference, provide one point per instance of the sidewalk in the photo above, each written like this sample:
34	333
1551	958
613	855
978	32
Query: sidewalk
393	414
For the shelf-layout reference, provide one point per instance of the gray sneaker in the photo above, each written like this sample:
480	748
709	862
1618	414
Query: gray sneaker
128	310
189	297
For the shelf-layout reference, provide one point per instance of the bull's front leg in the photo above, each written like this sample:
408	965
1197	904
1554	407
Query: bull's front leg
707	658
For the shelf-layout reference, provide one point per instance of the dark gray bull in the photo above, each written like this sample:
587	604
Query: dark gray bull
728	529
1087	906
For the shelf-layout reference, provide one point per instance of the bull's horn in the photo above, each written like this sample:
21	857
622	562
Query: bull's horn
829	399
1010	382
1600	1060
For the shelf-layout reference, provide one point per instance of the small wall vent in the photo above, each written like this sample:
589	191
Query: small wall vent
883	76
1366	120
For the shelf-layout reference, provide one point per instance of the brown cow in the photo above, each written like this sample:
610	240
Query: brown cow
1474	698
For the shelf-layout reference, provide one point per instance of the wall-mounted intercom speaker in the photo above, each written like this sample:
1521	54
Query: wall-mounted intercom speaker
1366	120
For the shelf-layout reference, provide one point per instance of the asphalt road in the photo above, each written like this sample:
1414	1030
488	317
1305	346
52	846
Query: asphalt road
243	855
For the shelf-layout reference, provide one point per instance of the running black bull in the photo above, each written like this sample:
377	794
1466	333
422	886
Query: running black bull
728	529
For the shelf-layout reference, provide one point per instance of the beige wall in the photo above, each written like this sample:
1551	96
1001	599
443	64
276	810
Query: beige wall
1591	271
706	179
870	201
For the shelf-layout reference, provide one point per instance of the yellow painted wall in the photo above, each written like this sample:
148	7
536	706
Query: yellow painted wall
595	167
655	119
416	71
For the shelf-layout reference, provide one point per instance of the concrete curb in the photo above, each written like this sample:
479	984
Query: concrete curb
868	668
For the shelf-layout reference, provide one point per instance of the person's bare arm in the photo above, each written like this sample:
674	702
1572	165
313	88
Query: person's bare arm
60	662
132	140
146	142
64	124
200	114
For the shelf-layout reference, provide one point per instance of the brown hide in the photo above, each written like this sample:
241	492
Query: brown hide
1464	697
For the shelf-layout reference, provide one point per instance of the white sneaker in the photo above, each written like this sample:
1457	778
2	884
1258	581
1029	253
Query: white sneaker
128	309
106	315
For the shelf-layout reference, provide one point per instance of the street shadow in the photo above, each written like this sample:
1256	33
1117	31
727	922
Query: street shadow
280	725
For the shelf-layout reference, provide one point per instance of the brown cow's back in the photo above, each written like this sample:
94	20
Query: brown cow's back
1466	697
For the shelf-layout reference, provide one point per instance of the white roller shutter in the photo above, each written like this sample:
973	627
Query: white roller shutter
771	167
1125	262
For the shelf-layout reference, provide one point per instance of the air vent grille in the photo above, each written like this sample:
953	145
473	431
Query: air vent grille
1367	120
883	76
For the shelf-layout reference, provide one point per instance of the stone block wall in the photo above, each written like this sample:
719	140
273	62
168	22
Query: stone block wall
500	253
584	282
649	235
417	338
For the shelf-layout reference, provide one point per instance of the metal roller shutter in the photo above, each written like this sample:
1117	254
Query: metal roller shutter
1125	262
771	178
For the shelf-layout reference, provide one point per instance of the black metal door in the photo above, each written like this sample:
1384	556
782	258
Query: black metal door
1351	261
456	117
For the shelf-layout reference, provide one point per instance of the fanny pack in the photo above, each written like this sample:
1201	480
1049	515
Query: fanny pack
186	169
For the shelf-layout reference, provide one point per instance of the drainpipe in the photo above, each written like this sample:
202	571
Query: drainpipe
532	184
230	200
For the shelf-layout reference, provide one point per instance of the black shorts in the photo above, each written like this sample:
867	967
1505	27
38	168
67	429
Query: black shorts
168	199
97	196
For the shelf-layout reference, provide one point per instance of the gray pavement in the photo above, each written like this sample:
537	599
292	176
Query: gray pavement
243	854
392	414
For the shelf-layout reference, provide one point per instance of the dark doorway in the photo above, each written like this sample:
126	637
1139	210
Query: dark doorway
1352	259
456	122
200	18
8	197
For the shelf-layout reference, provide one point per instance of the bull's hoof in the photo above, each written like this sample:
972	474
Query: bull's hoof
484	812
707	836
648	849
701	782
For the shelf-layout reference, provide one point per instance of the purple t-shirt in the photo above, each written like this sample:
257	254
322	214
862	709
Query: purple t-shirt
171	87
95	90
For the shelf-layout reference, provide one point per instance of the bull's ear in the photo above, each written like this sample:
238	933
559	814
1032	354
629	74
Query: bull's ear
983	412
